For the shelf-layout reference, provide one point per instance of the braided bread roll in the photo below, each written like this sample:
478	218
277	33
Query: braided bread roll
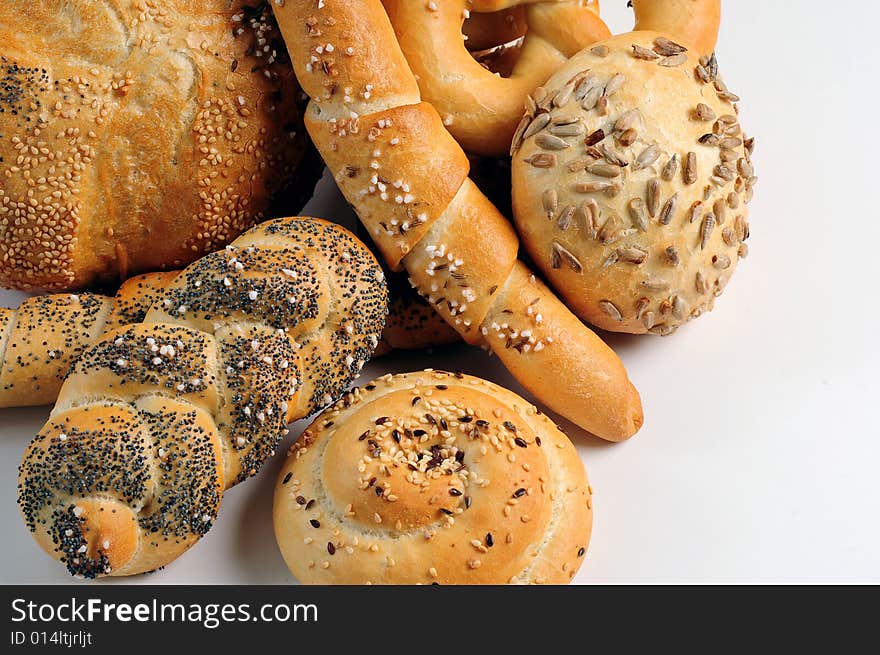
157	419
428	478
46	334
407	179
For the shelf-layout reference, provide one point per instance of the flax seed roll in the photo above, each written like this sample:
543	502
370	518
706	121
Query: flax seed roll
137	136
157	419
431	477
406	178
631	190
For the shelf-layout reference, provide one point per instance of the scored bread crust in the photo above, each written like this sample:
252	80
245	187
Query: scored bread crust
432	477
407	179
138	136
630	188
157	419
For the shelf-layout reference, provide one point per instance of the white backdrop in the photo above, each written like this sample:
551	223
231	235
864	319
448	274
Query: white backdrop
759	456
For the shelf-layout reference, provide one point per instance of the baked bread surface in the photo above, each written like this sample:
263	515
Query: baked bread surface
432	477
137	135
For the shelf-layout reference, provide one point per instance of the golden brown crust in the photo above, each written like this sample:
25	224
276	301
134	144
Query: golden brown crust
464	218
137	137
431	477
640	220
162	416
692	22
481	109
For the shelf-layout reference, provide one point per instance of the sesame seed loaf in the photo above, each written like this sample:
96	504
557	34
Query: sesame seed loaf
631	183
138	136
482	109
407	179
432	478
156	419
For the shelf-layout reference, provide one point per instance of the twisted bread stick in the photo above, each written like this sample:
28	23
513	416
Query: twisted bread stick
157	419
407	179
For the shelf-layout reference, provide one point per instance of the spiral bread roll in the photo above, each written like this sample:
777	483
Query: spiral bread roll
428	478
157	419
139	135
631	183
406	177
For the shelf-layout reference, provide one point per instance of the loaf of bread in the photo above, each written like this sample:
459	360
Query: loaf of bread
407	179
631	184
432	478
157	419
138	136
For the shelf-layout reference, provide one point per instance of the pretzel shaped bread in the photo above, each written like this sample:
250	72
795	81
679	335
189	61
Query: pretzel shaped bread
407	179
482	109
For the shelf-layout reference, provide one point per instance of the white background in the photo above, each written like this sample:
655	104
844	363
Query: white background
759	457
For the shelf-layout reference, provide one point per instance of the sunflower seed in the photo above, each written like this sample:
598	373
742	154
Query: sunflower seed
670	168
743	250
643	53
679	307
690	168
733	200
602	106
592	187
710	62
672	255
542	160
724	172
586	85
591	99
666	47
662	330
550	142
561	99
595	137
546	98
741	228
628	138
518	134
749	145
605	170
560	254
702	74
673	61
550	202
576	165
638	214
729	236
655	284
710	140
611	310
565	217
539	95
733	130
694	211
648	319
668	211
700	283
647	157
590	213
632	254
745	168
531	106
721	262
538	123
728	156
627	121
731	142
600	50
720	211
706	229
611	156
571	129
653	196
614	85
704	112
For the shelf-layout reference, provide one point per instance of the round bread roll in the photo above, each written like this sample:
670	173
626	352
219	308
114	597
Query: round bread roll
630	183
138	135
433	478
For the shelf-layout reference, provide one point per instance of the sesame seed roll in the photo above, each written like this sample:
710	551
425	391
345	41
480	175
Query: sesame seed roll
138	136
158	418
407	179
432	478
